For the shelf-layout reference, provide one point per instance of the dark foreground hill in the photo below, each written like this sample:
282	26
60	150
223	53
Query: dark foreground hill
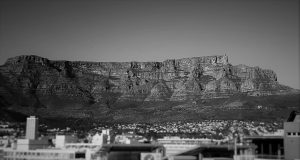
178	89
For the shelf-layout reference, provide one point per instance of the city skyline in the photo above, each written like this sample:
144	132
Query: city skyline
254	33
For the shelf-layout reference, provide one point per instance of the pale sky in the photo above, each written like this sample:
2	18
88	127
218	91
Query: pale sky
262	33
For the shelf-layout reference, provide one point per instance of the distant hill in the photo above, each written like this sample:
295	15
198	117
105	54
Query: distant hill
176	89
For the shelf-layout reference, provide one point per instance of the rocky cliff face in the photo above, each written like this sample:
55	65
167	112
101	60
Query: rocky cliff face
30	80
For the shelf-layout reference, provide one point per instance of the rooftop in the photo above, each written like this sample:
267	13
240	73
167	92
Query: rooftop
264	137
294	117
131	147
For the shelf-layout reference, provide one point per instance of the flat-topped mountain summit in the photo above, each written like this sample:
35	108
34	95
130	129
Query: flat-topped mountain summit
69	88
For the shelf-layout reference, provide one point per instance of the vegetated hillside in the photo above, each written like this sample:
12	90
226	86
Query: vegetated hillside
179	89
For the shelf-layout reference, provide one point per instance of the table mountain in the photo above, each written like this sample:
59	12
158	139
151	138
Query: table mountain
118	90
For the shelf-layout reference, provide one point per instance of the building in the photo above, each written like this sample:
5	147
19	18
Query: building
129	139
284	144
1	153
268	146
32	125
27	149
99	139
62	140
89	152
103	138
107	133
218	152
31	144
175	145
43	154
292	137
130	152
66	148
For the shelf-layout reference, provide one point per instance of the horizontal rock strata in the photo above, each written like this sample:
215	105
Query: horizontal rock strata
170	80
